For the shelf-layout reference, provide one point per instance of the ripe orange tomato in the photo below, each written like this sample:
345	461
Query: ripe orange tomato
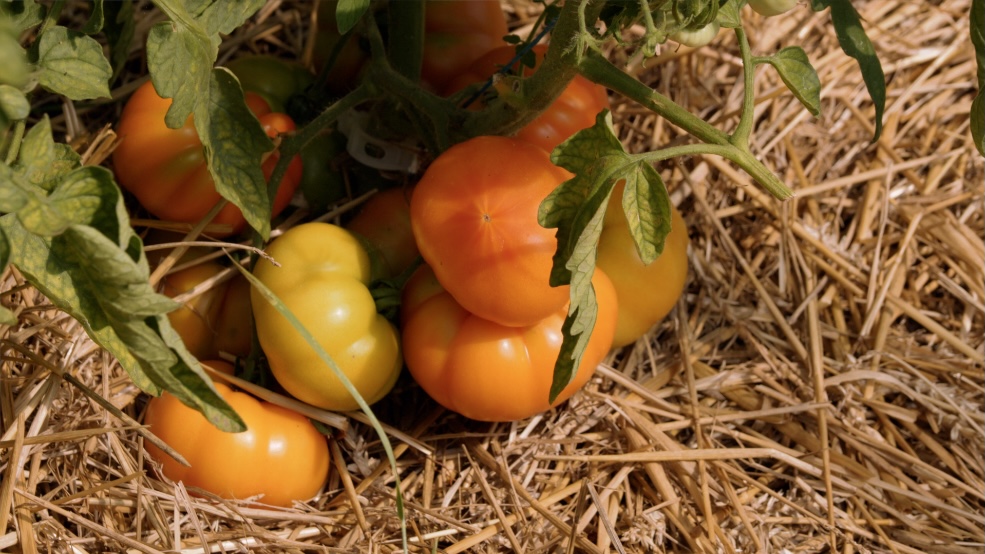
487	371
384	221
166	170
575	109
647	293
280	456
474	216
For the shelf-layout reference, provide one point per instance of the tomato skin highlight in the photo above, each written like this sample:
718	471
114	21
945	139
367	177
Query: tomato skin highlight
281	455
698	37
166	169
322	278
487	371
575	109
474	217
647	293
769	8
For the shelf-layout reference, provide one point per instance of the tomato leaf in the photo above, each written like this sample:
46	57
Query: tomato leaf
119	28
799	75
72	64
96	19
42	161
855	43
577	209
14	192
104	285
978	104
77	198
348	13
22	15
13	106
729	14
180	55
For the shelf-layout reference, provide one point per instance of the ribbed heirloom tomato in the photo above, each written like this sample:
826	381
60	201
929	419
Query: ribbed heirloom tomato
487	371
280	456
574	110
646	293
322	276
474	216
166	170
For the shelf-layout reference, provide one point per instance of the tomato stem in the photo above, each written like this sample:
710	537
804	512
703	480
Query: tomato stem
740	137
406	39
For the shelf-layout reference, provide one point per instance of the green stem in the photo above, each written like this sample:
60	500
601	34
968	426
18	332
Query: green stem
293	144
51	17
740	137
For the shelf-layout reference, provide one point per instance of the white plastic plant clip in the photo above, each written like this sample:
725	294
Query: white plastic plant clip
373	152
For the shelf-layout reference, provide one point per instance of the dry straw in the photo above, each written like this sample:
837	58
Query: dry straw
818	389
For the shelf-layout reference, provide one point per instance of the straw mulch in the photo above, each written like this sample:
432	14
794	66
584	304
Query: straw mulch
819	388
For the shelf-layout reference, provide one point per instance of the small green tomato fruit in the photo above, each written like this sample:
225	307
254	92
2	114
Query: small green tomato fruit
697	37
769	8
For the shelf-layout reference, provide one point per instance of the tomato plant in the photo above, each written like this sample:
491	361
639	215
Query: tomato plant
384	221
647	292
165	168
487	371
574	110
474	216
281	457
321	276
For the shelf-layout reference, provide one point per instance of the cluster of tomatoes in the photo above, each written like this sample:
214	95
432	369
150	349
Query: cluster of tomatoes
479	325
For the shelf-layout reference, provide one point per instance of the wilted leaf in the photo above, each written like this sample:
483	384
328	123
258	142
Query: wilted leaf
798	74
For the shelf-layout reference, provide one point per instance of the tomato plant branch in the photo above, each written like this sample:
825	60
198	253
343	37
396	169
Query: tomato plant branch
600	70
740	137
292	145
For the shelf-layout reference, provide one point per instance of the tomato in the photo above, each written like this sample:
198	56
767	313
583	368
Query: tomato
456	33
280	456
322	279
217	320
487	371
696	38
384	221
166	170
768	8
646	293
274	79
323	182
575	109
474	217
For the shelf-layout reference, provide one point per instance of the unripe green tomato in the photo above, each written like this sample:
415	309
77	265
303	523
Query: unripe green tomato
768	8
697	37
274	79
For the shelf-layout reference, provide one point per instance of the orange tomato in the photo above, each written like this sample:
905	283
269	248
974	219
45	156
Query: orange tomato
487	371
474	217
281	457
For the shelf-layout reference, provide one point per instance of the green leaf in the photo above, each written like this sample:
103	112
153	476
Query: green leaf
79	197
119	27
978	104
855	43
72	64
180	55
96	19
42	161
13	59
348	13
13	190
13	106
234	145
105	287
798	74
577	209
22	15
729	14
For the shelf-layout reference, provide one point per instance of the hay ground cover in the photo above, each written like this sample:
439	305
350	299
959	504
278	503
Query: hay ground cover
820	387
